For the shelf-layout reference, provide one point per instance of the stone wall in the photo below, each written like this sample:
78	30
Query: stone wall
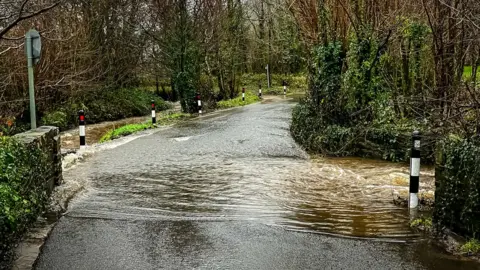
48	139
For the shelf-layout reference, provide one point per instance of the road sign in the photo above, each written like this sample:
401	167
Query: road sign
35	45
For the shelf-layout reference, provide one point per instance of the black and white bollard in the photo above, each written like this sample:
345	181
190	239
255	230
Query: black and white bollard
199	103
154	113
260	91
81	129
284	88
414	170
243	94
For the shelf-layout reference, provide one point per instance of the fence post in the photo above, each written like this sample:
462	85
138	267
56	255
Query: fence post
81	128
243	94
154	113
260	91
414	170
284	88
199	103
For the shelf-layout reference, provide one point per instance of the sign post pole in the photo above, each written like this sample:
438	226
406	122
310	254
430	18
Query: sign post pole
33	48
31	83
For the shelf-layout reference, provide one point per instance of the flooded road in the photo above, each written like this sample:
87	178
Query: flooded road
233	191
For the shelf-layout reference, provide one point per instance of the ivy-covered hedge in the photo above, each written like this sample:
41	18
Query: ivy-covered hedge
457	177
383	141
22	195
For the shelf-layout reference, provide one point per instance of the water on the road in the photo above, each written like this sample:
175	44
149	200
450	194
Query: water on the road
348	196
246	166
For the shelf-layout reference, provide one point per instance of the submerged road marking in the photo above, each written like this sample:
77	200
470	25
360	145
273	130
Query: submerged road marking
182	139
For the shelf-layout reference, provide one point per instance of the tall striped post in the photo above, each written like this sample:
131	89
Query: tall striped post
414	170
154	113
284	88
260	91
81	129
199	103
243	94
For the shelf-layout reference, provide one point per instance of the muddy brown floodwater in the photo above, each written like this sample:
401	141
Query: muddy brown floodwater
353	197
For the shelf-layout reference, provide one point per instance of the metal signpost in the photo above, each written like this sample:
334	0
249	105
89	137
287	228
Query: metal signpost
268	75
33	47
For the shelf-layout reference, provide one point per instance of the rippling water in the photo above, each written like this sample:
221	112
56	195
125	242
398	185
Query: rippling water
351	197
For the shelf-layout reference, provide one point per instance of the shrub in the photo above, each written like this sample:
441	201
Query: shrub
57	119
388	141
472	247
104	105
457	176
22	195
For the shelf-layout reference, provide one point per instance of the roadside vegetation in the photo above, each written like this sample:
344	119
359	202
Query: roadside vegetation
471	248
22	195
103	105
424	224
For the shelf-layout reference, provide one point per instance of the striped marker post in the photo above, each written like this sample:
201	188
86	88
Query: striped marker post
260	91
414	170
199	103
284	88
81	128
243	94
154	113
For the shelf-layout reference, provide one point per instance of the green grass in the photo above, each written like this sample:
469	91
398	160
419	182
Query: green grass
125	131
133	128
467	72
422	223
236	102
472	247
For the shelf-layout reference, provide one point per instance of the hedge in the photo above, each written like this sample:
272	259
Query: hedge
22	195
387	141
457	179
103	105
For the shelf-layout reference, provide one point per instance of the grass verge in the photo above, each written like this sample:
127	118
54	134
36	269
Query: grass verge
133	128
237	102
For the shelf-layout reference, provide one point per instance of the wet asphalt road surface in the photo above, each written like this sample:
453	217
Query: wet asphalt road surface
231	190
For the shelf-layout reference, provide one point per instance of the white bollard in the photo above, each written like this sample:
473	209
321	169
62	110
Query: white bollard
414	170
81	129
284	88
154	113
260	91
243	94
199	104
